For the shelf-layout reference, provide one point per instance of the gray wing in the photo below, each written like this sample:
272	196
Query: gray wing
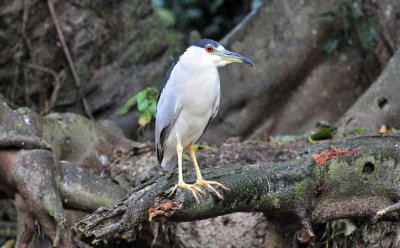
165	113
164	122
167	76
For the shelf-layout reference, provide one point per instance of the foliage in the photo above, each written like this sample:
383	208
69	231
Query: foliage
146	103
346	17
213	19
324	132
360	129
197	147
286	139
336	231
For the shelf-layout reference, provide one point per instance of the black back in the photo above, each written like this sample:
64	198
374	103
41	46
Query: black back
204	42
167	76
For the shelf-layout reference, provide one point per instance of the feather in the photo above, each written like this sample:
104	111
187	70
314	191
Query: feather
214	113
167	76
164	120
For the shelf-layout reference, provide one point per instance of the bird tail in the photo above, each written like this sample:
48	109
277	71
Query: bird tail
169	163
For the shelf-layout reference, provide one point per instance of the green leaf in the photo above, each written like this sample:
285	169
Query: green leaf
323	133
141	96
166	15
153	108
158	3
355	9
153	90
329	17
185	156
311	140
142	101
360	129
143	106
206	147
127	105
215	5
368	31
144	119
347	23
103	59
146	104
331	45
18	54
336	5
193	14
333	42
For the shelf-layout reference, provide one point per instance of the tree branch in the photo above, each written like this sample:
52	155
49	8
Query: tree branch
316	187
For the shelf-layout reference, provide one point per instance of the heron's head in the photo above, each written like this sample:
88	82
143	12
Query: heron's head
207	52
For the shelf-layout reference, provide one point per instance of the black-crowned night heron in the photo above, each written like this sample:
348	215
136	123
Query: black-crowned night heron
189	100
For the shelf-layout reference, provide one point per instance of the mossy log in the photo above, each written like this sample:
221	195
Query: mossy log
344	178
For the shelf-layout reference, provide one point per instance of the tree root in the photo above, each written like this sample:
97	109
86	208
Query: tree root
43	185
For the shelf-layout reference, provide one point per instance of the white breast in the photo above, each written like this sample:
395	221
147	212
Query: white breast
198	98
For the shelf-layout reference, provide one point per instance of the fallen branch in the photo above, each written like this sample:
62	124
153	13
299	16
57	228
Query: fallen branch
352	181
69	59
57	86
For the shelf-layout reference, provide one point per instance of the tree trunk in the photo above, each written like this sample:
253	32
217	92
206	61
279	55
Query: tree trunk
379	105
295	83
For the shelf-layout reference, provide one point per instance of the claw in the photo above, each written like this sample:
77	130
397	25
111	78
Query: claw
202	182
192	187
199	190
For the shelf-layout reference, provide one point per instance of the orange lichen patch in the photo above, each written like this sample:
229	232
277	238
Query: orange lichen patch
318	189
163	210
331	153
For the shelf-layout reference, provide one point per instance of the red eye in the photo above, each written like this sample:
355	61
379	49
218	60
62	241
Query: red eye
209	49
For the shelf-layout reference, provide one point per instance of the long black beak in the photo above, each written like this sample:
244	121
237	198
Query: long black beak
234	57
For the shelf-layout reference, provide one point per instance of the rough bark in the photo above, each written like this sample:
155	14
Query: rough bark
316	187
118	48
238	230
122	50
295	83
286	39
47	187
30	168
379	105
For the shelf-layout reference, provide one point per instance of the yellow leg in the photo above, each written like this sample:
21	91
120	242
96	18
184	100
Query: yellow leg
179	151
181	183
200	181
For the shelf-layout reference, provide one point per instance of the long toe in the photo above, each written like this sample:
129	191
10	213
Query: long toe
208	185
192	187
199	190
194	193
218	184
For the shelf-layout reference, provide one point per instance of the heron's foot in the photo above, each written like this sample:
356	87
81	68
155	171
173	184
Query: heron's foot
192	187
207	184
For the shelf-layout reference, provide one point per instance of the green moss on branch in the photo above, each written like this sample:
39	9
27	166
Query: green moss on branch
299	188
